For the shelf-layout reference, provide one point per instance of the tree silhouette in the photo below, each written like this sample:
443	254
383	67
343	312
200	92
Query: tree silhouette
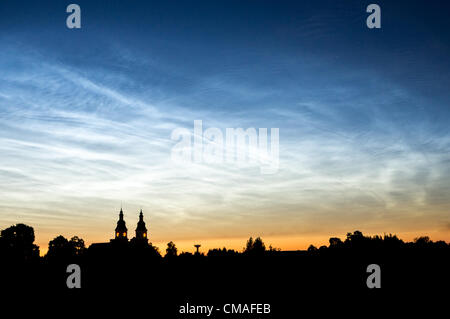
274	249
60	248
249	245
255	247
216	252
259	246
357	240
78	245
357	235
171	250
422	241
16	242
335	242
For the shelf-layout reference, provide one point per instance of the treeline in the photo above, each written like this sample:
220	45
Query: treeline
17	245
357	241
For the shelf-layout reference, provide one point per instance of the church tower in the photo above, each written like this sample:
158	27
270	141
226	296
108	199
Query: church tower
121	229
141	230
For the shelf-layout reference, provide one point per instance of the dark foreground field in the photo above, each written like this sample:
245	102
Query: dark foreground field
125	280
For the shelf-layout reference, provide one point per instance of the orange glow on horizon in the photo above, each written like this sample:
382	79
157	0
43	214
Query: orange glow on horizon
292	242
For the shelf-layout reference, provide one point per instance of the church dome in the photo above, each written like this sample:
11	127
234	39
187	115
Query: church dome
121	229
141	230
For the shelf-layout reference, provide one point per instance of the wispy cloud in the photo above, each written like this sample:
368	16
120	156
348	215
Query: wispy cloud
76	142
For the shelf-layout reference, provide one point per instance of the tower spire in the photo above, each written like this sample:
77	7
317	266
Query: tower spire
121	229
141	230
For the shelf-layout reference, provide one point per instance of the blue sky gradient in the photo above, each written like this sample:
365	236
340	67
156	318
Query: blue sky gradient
86	118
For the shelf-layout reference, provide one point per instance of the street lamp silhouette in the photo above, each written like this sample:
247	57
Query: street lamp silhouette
197	246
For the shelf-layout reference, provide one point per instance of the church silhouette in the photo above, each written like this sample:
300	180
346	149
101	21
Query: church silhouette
121	229
121	234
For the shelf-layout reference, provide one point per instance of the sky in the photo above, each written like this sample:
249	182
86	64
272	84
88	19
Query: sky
87	117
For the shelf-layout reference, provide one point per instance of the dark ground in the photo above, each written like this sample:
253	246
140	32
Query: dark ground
324	282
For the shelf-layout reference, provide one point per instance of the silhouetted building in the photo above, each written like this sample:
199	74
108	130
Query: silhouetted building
121	229
141	230
120	239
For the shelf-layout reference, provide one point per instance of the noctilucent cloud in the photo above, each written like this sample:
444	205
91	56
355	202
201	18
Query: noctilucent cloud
86	117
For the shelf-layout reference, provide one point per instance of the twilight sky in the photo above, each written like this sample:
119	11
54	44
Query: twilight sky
86	118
